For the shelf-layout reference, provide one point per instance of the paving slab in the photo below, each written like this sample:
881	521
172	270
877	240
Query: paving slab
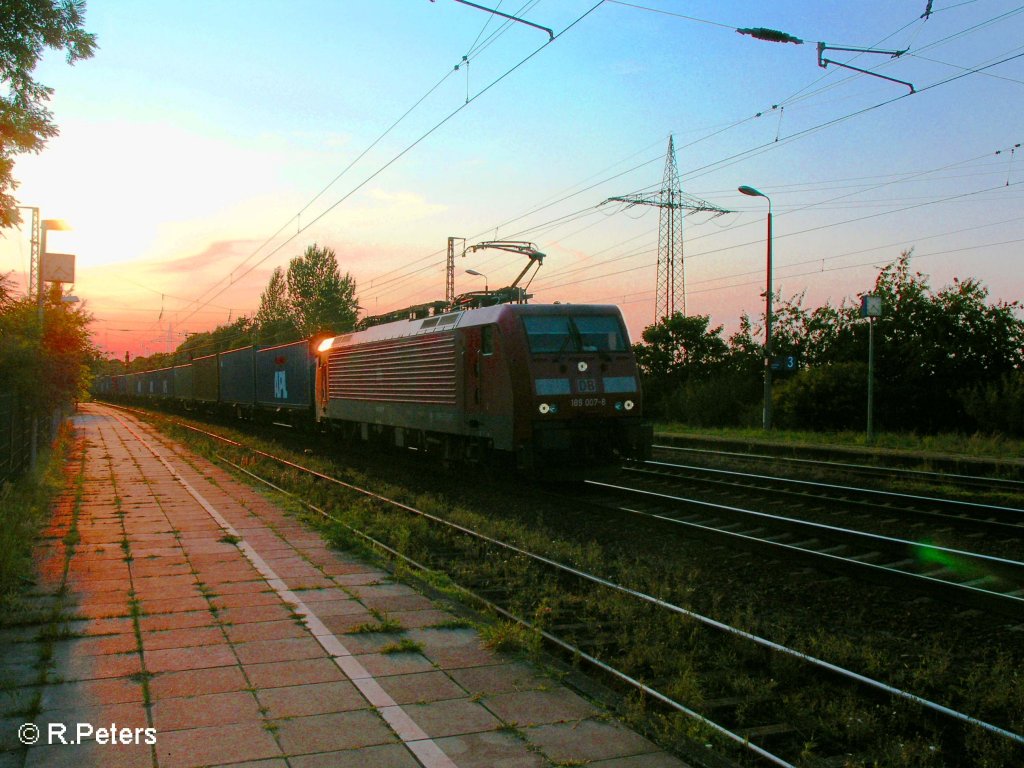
198	616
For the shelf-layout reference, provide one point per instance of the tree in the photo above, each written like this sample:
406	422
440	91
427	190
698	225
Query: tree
945	360
6	290
937	355
319	298
680	346
273	321
677	352
48	369
27	29
221	339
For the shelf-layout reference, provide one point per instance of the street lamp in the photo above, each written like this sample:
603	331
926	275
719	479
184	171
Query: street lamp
479	274
766	417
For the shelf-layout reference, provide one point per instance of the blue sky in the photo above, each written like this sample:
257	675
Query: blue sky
201	129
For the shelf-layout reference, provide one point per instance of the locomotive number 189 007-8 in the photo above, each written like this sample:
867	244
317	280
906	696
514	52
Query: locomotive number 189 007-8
587	402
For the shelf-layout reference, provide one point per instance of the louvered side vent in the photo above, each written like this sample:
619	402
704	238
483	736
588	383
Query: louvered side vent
412	370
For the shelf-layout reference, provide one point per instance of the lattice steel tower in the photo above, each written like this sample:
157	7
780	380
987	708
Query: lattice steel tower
671	271
673	203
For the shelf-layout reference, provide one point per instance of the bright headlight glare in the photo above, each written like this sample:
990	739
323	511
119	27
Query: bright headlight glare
544	408
629	405
325	344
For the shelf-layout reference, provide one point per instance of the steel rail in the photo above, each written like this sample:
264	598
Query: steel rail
870	468
834	531
781	486
968	505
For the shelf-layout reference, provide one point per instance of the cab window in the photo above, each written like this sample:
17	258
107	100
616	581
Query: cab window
558	334
599	333
548	333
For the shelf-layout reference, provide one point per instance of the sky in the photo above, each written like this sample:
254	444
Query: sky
207	143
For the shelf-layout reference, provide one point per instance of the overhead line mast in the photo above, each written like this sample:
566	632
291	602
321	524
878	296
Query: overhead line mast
670	294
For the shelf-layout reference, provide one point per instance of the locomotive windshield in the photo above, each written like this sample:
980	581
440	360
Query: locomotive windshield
558	334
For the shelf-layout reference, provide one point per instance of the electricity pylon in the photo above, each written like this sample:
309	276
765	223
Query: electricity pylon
672	202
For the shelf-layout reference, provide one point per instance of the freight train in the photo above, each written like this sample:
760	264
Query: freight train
549	385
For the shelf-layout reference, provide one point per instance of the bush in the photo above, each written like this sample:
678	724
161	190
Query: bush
999	406
727	399
828	397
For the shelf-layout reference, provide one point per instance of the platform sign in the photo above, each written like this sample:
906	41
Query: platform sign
870	306
785	363
58	268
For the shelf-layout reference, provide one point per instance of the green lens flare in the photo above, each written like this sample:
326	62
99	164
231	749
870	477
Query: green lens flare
928	554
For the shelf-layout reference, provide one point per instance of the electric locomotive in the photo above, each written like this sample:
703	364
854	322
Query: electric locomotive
551	385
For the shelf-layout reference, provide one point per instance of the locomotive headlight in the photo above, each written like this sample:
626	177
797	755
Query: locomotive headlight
326	344
544	408
628	405
581	366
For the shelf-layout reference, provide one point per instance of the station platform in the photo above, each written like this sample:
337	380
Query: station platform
192	622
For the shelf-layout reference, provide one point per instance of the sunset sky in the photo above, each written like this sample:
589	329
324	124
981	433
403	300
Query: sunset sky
207	143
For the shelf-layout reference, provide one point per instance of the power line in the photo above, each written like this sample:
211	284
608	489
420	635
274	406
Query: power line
416	142
783	236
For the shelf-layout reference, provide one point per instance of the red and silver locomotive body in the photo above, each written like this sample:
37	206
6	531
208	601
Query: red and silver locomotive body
546	383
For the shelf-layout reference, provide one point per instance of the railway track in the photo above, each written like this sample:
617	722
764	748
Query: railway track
991	518
881	474
946	573
612	625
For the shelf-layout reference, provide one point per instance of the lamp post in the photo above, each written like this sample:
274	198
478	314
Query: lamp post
479	274
766	417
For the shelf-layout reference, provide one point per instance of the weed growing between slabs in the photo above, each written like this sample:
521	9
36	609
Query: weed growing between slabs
54	488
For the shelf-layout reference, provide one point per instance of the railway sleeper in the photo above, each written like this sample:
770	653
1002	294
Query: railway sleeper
835	549
942	573
899	564
731	702
866	557
982	580
765	732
